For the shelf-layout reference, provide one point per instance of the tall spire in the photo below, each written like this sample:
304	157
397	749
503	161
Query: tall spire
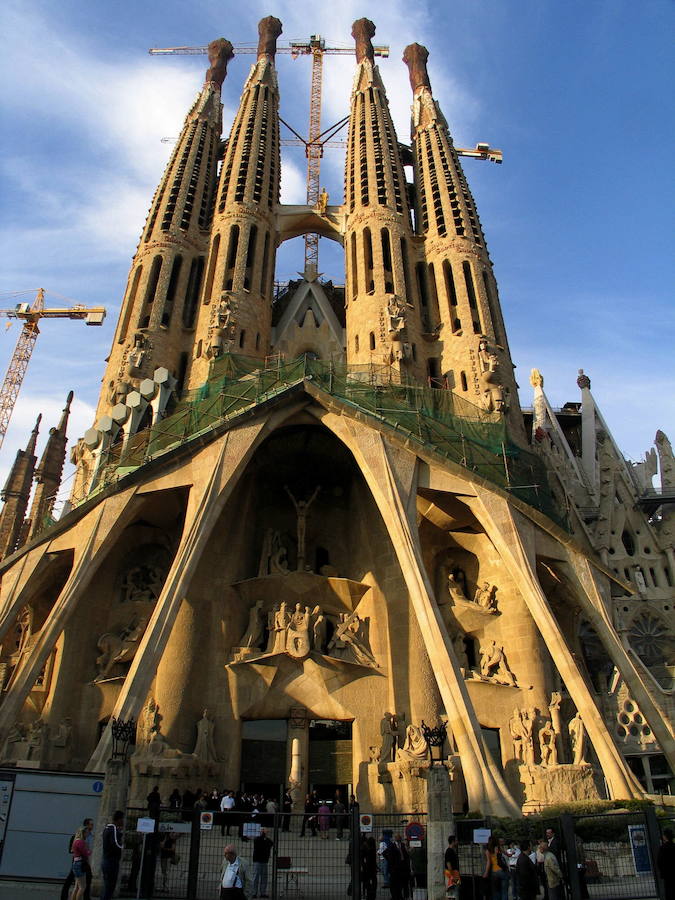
48	473
157	319
16	494
383	314
237	313
472	347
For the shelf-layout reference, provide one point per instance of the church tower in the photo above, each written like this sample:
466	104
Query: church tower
384	319
16	494
473	350
157	322
237	312
48	473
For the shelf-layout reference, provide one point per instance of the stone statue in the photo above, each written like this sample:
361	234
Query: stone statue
254	632
151	721
415	57
204	747
390	734
460	650
362	32
414	746
119	648
528	718
348	640
485	597
577	733
455	591
142	584
272	555
547	745
517	735
493	664
280	621
494	393
319	633
220	52
37	735
63	734
16	744
269	30
297	632
302	511
322	204
396	313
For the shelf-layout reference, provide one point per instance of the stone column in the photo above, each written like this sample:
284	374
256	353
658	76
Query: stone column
114	797
440	824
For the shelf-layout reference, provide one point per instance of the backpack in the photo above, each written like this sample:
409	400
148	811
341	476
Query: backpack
502	863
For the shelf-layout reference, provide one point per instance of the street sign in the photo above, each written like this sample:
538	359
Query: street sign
206	821
481	835
365	823
414	831
145	826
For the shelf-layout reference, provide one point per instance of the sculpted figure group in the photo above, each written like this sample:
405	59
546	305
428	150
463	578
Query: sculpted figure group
522	728
299	630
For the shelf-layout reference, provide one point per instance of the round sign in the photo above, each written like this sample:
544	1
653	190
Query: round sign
97	787
414	831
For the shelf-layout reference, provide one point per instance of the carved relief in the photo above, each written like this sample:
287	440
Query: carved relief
118	649
493	665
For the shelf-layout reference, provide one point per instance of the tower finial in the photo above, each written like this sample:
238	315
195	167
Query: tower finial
30	446
269	30
415	57
220	52
362	31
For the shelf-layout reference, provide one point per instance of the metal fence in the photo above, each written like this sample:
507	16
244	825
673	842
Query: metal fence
313	857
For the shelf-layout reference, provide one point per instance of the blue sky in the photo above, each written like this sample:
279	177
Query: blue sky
578	219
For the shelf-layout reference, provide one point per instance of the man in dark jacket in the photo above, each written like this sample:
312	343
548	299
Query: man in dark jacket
398	859
526	874
111	854
262	847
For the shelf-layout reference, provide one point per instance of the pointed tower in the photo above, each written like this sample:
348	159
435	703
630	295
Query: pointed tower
384	324
463	302
157	320
48	473
237	310
16	494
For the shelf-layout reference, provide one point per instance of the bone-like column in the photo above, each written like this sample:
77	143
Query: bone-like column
415	57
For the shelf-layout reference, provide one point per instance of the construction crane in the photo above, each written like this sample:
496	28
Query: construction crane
31	315
316	140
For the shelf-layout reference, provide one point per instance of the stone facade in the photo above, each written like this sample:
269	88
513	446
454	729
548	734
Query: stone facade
282	588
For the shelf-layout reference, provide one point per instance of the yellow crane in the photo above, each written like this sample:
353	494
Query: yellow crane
30	315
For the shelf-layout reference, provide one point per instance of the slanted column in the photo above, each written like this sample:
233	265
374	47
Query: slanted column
16	494
383	315
471	353
48	473
236	311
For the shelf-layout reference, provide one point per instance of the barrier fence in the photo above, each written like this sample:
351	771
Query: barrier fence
602	857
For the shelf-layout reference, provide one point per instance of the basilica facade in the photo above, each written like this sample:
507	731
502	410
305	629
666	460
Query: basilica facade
307	521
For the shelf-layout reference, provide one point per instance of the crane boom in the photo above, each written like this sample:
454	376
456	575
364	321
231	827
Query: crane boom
30	315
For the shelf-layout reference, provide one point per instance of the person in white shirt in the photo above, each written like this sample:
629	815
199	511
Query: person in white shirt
227	808
234	875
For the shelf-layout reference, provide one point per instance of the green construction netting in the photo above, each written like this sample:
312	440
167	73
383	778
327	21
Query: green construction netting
437	419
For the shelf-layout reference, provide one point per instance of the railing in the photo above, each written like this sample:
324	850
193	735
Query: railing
438	420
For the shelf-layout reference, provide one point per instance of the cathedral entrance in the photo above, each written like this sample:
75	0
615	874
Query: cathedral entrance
330	759
263	756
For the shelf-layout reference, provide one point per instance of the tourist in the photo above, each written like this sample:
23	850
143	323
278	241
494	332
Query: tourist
552	871
167	855
369	868
381	851
512	853
496	870
81	852
154	802
262	847
111	853
398	859
88	834
174	799
526	874
323	818
227	810
553	842
451	867
287	809
309	819
234	875
339	812
665	863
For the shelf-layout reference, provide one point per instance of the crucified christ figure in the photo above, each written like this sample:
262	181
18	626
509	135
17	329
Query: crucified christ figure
302	509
